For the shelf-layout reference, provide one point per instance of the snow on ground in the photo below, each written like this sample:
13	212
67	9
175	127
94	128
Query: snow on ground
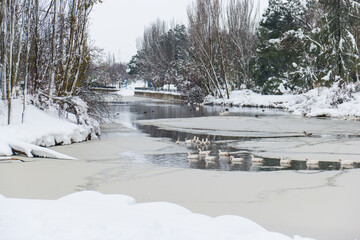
330	102
325	102
39	129
249	98
92	215
130	88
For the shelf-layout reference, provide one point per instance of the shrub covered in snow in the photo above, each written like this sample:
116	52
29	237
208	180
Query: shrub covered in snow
45	128
330	102
335	101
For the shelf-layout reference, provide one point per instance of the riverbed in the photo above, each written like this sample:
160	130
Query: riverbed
143	162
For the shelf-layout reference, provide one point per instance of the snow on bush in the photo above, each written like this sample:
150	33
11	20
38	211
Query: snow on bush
329	102
321	101
92	215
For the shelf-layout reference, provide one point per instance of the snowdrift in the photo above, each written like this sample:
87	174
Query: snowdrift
92	215
39	130
318	102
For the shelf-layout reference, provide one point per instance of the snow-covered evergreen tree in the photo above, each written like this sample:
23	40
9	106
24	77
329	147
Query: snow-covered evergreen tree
337	34
278	66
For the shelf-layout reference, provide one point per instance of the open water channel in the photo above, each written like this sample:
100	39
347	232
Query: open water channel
145	116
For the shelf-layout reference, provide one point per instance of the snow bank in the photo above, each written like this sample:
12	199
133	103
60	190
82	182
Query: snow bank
129	90
330	102
39	129
243	98
92	215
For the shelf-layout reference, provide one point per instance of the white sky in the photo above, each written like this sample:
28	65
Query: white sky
116	24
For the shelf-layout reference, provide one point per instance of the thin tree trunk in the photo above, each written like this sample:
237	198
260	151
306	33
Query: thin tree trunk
19	47
10	80
26	62
70	47
53	53
35	40
80	50
5	51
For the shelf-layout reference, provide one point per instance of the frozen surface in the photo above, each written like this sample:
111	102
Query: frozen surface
91	215
277	136
306	203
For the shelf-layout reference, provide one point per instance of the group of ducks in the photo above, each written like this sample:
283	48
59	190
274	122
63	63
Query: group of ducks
315	163
231	159
195	141
205	155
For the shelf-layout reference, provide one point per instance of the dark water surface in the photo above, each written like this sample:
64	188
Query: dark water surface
126	113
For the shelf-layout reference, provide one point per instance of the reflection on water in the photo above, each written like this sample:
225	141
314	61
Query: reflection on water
128	112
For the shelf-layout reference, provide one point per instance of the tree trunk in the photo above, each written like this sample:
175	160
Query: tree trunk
28	44
10	80
53	53
19	49
5	51
70	47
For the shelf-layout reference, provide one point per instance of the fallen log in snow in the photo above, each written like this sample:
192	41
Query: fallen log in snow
31	150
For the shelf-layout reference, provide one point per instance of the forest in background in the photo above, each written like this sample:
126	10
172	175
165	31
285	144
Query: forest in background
296	46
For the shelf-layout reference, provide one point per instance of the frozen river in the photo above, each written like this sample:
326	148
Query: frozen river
265	133
137	156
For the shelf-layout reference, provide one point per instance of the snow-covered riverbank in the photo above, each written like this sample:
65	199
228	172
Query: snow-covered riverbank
40	128
330	102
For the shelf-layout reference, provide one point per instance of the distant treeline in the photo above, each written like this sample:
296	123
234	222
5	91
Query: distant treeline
298	45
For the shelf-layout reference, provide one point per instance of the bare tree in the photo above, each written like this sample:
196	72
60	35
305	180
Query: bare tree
241	26
53	48
205	37
4	55
28	45
52	37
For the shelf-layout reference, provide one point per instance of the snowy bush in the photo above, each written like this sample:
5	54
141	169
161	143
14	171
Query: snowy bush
72	108
323	101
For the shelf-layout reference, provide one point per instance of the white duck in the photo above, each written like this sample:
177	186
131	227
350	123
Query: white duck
253	159
210	159
223	154
311	162
347	162
194	139
202	153
234	160
187	141
285	161
207	142
193	156
177	141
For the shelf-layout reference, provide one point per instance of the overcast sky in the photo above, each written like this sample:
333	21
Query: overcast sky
116	24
